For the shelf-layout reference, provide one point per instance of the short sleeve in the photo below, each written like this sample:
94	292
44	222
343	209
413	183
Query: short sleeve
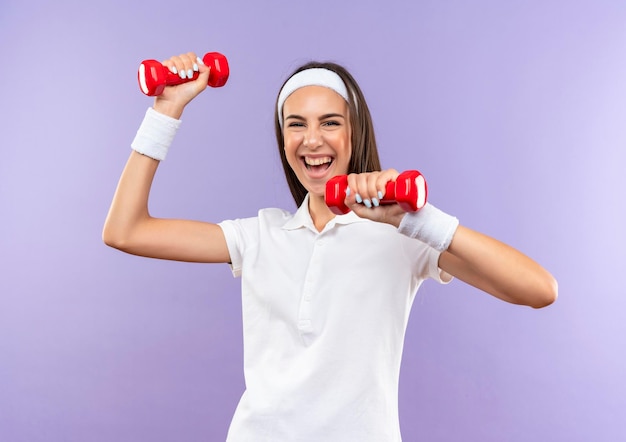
434	271
239	234
424	260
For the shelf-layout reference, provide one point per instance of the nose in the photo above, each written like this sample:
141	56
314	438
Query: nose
312	138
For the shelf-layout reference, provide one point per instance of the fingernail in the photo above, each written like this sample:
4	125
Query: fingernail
380	195
173	70
182	74
189	73
347	191
195	67
367	203
375	202
358	198
199	60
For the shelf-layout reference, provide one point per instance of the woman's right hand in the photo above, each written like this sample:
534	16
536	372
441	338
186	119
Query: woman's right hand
173	100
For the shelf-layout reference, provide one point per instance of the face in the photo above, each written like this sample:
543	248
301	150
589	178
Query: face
317	136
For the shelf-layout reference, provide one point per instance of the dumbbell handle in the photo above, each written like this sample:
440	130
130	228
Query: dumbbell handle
153	76
409	191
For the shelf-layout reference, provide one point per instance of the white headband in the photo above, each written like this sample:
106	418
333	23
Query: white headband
310	77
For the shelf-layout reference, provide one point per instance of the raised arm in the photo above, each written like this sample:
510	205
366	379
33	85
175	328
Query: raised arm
129	226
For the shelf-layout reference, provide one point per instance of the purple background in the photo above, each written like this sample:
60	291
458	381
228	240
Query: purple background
515	111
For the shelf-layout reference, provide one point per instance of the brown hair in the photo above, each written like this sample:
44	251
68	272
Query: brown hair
364	156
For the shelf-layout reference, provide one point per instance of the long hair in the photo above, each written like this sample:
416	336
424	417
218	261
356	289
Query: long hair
364	156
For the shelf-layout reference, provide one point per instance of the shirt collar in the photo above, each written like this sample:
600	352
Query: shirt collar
302	218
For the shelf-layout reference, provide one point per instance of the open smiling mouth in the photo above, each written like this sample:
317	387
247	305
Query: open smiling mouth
318	165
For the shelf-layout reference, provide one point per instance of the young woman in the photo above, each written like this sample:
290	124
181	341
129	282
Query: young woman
326	298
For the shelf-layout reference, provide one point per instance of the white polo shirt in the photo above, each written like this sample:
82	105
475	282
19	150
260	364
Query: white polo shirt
324	317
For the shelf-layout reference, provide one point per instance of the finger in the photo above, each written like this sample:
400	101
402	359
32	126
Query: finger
358	185
195	61
200	65
194	64
174	64
368	191
183	65
204	70
373	191
383	178
189	65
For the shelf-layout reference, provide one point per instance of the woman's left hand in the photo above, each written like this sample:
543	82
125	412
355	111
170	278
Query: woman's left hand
366	190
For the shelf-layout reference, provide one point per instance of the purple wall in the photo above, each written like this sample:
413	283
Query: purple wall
515	111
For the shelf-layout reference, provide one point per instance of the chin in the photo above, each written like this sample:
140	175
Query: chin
316	191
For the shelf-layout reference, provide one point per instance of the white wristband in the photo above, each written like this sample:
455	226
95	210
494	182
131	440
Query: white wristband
155	135
431	226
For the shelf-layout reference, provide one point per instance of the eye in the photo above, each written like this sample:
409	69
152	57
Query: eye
295	124
331	123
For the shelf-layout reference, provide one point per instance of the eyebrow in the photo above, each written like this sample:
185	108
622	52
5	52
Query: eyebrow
322	117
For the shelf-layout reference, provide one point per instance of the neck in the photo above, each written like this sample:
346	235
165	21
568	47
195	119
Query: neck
320	213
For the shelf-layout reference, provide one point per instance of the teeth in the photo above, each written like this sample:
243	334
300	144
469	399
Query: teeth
317	161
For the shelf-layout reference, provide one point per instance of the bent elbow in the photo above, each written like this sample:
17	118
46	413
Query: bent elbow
112	238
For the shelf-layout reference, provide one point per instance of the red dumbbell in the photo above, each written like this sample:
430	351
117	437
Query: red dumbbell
153	76
409	191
